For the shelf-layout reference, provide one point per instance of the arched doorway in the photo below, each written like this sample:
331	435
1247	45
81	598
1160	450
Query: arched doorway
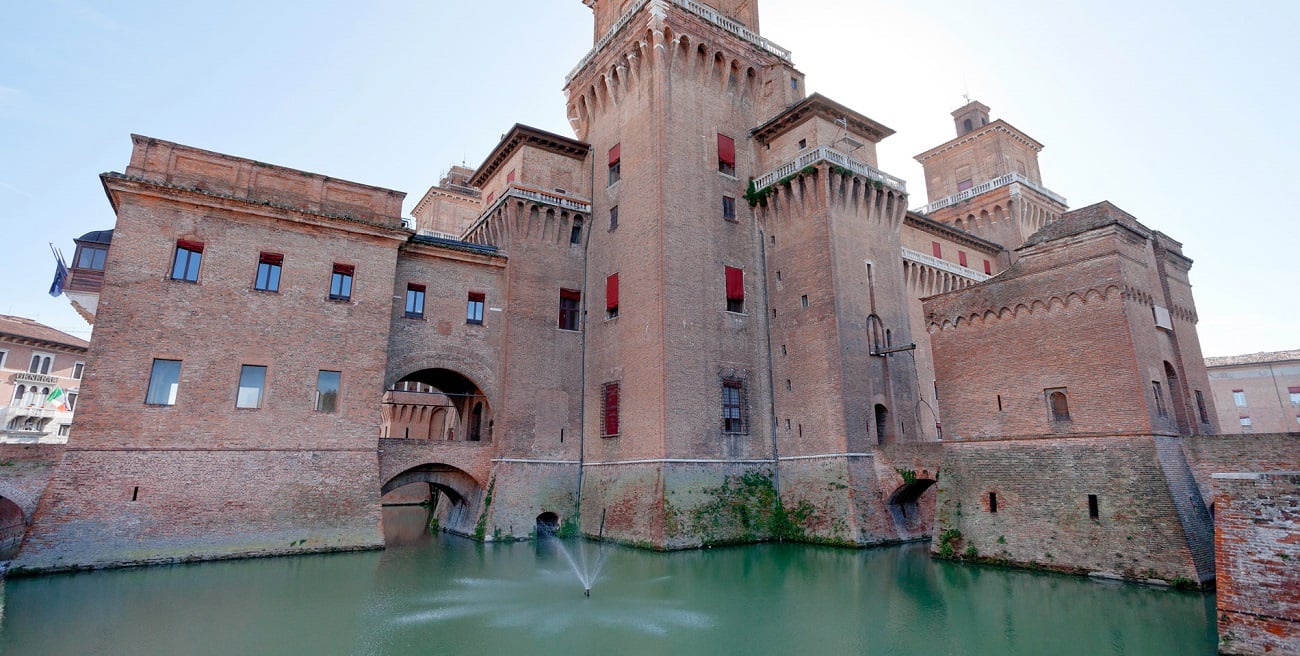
548	523
12	527
436	404
911	508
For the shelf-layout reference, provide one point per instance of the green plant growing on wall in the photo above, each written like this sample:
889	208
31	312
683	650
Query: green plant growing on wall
909	475
480	528
948	543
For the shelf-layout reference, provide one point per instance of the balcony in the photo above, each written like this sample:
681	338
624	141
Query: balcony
943	265
985	187
39	379
828	154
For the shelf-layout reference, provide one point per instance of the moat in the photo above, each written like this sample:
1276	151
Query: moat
441	594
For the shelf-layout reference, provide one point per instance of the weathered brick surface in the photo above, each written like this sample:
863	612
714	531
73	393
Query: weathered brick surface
1042	517
1257	540
25	469
523	491
1209	454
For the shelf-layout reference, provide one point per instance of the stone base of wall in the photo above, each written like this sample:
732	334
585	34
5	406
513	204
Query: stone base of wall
1042	516
118	508
1257	540
523	491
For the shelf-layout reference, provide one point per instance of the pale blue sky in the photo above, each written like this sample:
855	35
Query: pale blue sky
1178	112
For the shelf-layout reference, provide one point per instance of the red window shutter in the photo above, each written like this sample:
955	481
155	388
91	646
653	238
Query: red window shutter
615	154
346	269
611	292
196	246
510	177
726	150
474	296
988	267
938	250
611	408
961	258
735	284
414	287
1293	390
571	294
491	197
272	258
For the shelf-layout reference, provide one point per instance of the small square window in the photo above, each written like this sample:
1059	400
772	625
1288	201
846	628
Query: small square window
803	143
570	300
414	301
474	308
185	266
1239	398
164	381
1247	426
729	208
794	84
1294	393
268	272
341	282
327	390
252	382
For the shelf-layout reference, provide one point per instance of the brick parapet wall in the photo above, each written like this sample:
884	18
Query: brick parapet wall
1211	454
1257	540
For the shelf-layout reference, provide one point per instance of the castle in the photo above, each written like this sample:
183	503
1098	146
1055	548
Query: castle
708	318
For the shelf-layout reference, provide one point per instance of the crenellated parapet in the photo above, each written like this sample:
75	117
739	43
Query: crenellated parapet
524	214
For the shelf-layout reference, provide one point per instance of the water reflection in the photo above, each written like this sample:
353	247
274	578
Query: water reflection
442	594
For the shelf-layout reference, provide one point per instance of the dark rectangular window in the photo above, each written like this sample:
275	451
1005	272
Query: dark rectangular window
414	301
611	296
1200	407
735	279
252	382
164	381
1093	511
609	409
993	502
189	255
474	308
729	208
1160	399
570	300
615	163
341	282
575	233
726	154
613	218
936	249
733	406
268	272
78	370
72	401
92	257
327	391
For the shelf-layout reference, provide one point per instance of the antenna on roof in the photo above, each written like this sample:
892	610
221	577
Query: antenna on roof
850	142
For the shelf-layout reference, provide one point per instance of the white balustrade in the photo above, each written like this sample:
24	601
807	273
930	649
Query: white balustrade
985	187
826	153
943	265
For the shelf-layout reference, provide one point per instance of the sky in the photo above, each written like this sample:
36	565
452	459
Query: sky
1178	111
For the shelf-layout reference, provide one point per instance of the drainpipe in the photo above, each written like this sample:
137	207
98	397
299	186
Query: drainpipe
771	391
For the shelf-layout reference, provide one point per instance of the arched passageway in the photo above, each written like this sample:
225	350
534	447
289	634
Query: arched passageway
437	404
453	492
910	514
12	527
548	523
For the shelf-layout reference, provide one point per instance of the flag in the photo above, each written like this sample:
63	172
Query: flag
57	399
60	275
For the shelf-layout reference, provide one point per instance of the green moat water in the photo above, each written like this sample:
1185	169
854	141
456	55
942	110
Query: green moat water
439	594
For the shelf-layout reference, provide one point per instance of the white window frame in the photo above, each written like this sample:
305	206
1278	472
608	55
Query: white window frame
1239	398
4	356
75	375
41	354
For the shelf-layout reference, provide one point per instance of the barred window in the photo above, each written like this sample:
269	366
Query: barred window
733	406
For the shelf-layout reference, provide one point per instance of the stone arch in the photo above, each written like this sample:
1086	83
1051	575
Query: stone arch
548	523
412	403
13	525
904	503
459	486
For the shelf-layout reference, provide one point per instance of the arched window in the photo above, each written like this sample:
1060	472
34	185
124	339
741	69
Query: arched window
1058	405
575	236
969	126
19	393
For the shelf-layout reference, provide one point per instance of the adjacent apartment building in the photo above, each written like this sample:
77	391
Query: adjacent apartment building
1258	392
40	380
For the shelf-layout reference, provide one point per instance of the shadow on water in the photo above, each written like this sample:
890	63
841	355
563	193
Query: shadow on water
437	593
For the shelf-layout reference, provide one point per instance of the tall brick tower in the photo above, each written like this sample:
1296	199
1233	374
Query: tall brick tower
986	180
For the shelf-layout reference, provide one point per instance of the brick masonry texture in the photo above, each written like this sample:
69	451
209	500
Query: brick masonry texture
1257	539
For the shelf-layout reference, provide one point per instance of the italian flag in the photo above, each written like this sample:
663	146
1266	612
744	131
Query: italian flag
57	399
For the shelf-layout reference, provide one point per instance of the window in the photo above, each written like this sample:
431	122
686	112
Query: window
961	258
510	177
1057	405
1239	398
40	364
1161	410
733	406
341	282
1094	511
803	143
1247	426
803	300
936	249
993	502
72	401
63	430
609	409
78	370
189	254
327	391
964	184
414	301
164	380
92	257
611	296
729	208
1200	407
794	84
988	268
726	154
268	272
1293	391
19	393
575	234
615	163
613	218
3	356
252	380
735	289
569	300
474	308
